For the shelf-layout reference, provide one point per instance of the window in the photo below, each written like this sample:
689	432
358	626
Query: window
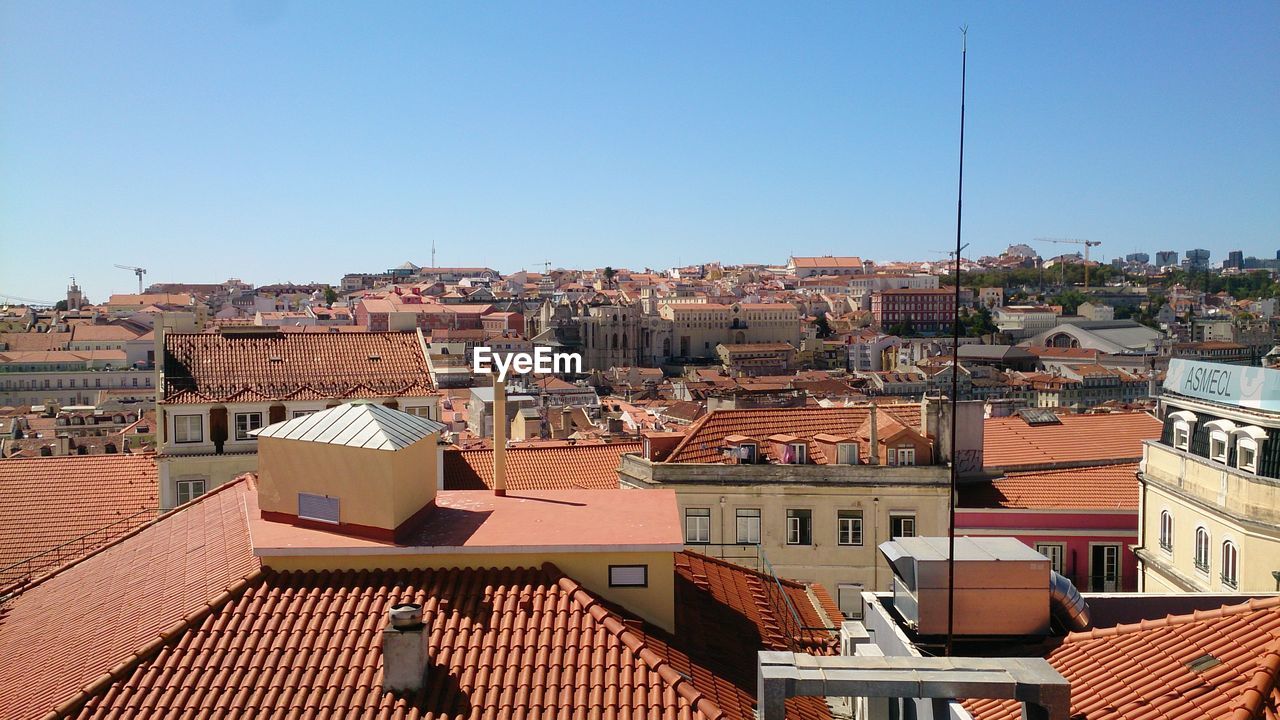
850	600
697	526
799	527
902	525
799	453
420	411
1230	564
301	413
318	507
849	527
847	453
628	576
189	490
188	428
1054	552
1166	531
1247	456
246	422
748	526
1220	439
906	456
746	453
1202	549
1182	424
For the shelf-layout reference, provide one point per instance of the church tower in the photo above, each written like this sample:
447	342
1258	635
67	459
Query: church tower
74	297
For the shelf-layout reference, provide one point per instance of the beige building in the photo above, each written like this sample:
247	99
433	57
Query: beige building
798	490
218	388
698	328
1210	513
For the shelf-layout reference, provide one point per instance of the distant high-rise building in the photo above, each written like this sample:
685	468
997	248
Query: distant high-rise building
1235	259
1165	258
1198	259
1137	258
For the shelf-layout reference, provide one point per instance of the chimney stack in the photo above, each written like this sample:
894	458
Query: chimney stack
874	453
404	649
499	437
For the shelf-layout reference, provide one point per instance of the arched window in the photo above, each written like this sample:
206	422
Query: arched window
1183	425
1230	564
1202	549
1249	441
1166	531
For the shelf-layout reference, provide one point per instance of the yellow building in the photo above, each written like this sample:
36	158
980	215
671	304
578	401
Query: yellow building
1210	514
699	327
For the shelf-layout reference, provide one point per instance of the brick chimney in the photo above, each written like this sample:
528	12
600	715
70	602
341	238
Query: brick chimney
404	649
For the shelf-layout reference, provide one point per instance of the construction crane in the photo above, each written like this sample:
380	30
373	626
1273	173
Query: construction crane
1073	241
136	271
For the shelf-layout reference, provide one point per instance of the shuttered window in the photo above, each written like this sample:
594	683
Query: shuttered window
318	507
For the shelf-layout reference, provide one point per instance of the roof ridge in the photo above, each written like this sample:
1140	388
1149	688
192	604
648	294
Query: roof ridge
169	634
683	686
1250	605
1262	686
20	589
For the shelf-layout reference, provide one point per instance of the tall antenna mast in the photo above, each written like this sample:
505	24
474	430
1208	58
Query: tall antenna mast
433	254
955	365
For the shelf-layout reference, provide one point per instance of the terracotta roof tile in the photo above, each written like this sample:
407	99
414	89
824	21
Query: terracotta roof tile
706	436
73	627
47	503
567	467
1103	487
1010	442
212	367
1142	670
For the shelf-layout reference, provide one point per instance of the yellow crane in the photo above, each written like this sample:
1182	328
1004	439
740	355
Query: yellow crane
1074	241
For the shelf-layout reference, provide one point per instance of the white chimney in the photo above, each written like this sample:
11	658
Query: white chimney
404	649
499	437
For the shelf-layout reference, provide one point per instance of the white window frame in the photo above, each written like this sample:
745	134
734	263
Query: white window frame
904	517
302	413
1230	564
243	436
188	487
905	456
1220	435
745	528
801	453
847	453
1184	423
1056	552
849	528
423	411
1249	438
796	525
697	526
752	450
182	425
1201	558
1166	531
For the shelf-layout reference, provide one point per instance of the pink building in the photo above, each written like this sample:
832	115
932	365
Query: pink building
1084	519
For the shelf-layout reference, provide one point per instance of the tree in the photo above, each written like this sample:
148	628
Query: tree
906	328
330	297
609	272
1070	300
60	305
979	323
823	326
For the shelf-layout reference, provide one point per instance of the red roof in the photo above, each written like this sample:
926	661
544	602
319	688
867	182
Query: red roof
1010	442
254	367
138	593
568	467
1145	670
1103	487
706	436
47	503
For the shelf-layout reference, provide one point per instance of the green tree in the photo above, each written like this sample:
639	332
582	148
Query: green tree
979	323
60	305
823	326
1069	300
330	297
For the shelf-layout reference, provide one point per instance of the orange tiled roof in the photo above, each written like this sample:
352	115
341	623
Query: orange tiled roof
706	436
1010	442
1141	670
1104	487
275	366
48	502
562	467
68	630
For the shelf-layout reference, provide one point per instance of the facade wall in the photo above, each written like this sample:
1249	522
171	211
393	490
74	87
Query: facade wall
1077	532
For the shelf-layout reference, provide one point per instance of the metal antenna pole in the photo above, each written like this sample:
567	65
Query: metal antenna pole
955	367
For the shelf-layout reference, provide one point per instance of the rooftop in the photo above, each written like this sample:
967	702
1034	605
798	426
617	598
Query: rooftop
258	366
362	425
566	467
47	503
1010	442
1104	487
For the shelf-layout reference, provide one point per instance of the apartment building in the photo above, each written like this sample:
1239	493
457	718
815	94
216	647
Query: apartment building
923	311
67	377
803	267
1210	497
810	490
218	388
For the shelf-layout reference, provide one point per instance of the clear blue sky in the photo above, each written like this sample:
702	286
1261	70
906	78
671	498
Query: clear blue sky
297	141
